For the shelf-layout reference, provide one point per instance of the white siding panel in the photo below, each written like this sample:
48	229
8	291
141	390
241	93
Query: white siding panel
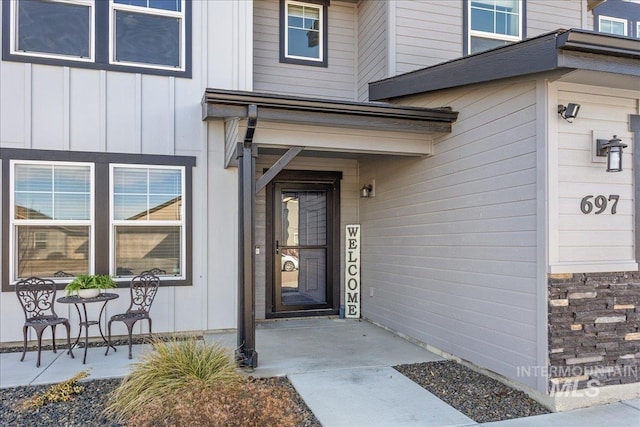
13	78
336	81
85	109
157	115
372	44
123	113
48	120
578	176
449	242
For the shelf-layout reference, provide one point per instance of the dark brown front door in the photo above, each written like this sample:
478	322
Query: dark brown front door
302	248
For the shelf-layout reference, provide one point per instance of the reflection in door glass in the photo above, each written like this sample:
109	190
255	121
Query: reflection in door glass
302	247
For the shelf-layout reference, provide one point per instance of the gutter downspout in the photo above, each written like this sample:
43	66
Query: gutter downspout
246	354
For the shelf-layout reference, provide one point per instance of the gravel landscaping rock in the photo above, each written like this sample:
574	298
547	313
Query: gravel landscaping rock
479	397
86	408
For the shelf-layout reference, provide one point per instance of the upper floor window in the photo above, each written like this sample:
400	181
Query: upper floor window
610	25
149	36
303	33
493	23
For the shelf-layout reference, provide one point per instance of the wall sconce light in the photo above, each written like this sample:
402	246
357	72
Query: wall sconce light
612	149
569	112
366	191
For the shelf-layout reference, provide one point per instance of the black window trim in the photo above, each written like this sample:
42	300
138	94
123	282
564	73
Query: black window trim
101	163
101	46
465	25
325	38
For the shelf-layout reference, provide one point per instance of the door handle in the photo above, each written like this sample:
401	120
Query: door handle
277	247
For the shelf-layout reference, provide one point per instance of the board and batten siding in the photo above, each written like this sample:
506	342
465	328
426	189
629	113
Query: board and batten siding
349	197
372	44
72	109
449	241
336	81
588	242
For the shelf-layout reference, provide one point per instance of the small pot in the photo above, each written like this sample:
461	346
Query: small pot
88	293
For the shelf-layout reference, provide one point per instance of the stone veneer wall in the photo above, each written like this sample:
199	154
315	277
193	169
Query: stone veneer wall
594	329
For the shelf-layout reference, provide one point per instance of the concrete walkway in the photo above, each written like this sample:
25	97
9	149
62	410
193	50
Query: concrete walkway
342	369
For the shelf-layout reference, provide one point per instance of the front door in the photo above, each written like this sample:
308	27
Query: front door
302	240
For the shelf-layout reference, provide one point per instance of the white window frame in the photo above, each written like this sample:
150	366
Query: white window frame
495	36
638	29
14	223
114	223
115	7
321	34
92	32
612	19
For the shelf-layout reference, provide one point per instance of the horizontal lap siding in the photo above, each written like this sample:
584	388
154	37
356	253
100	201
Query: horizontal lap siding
372	45
449	241
544	16
336	81
427	33
604	237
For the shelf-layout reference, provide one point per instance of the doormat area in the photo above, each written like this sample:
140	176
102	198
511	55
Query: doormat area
479	397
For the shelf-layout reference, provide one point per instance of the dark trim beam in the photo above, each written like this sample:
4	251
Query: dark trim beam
560	52
218	103
277	167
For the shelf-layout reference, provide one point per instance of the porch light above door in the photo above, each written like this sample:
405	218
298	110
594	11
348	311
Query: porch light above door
612	149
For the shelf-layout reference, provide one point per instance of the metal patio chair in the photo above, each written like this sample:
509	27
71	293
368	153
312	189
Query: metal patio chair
37	297
143	289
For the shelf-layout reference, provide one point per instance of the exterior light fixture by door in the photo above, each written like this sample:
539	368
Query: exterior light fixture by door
569	112
612	149
366	191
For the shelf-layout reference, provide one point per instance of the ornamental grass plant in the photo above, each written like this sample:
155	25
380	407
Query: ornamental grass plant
191	383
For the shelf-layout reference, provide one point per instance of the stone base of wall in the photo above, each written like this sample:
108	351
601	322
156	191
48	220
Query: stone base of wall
594	330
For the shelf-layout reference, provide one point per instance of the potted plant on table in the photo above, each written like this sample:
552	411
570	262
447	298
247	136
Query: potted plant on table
89	285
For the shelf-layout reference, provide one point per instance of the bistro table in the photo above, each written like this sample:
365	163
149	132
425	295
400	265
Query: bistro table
84	320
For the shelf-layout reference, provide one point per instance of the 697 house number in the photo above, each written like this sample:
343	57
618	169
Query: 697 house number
598	204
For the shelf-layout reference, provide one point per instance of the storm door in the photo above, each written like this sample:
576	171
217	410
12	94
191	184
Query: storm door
302	248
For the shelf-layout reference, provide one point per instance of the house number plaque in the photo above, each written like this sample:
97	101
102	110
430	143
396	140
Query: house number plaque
598	204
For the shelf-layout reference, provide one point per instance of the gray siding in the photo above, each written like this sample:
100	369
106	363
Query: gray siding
449	242
544	16
428	32
336	81
372	44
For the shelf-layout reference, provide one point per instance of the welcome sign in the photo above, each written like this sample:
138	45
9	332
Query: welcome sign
352	272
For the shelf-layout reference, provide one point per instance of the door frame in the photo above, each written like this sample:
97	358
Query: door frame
333	236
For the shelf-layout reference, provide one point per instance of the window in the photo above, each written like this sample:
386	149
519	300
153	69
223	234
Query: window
609	25
150	36
147	32
71	213
52	219
148	221
493	23
303	29
54	29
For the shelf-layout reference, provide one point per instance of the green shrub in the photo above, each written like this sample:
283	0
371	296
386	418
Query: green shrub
164	375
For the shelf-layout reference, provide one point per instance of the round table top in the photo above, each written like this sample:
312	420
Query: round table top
75	299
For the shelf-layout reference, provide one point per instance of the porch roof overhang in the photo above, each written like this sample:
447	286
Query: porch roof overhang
558	53
281	121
